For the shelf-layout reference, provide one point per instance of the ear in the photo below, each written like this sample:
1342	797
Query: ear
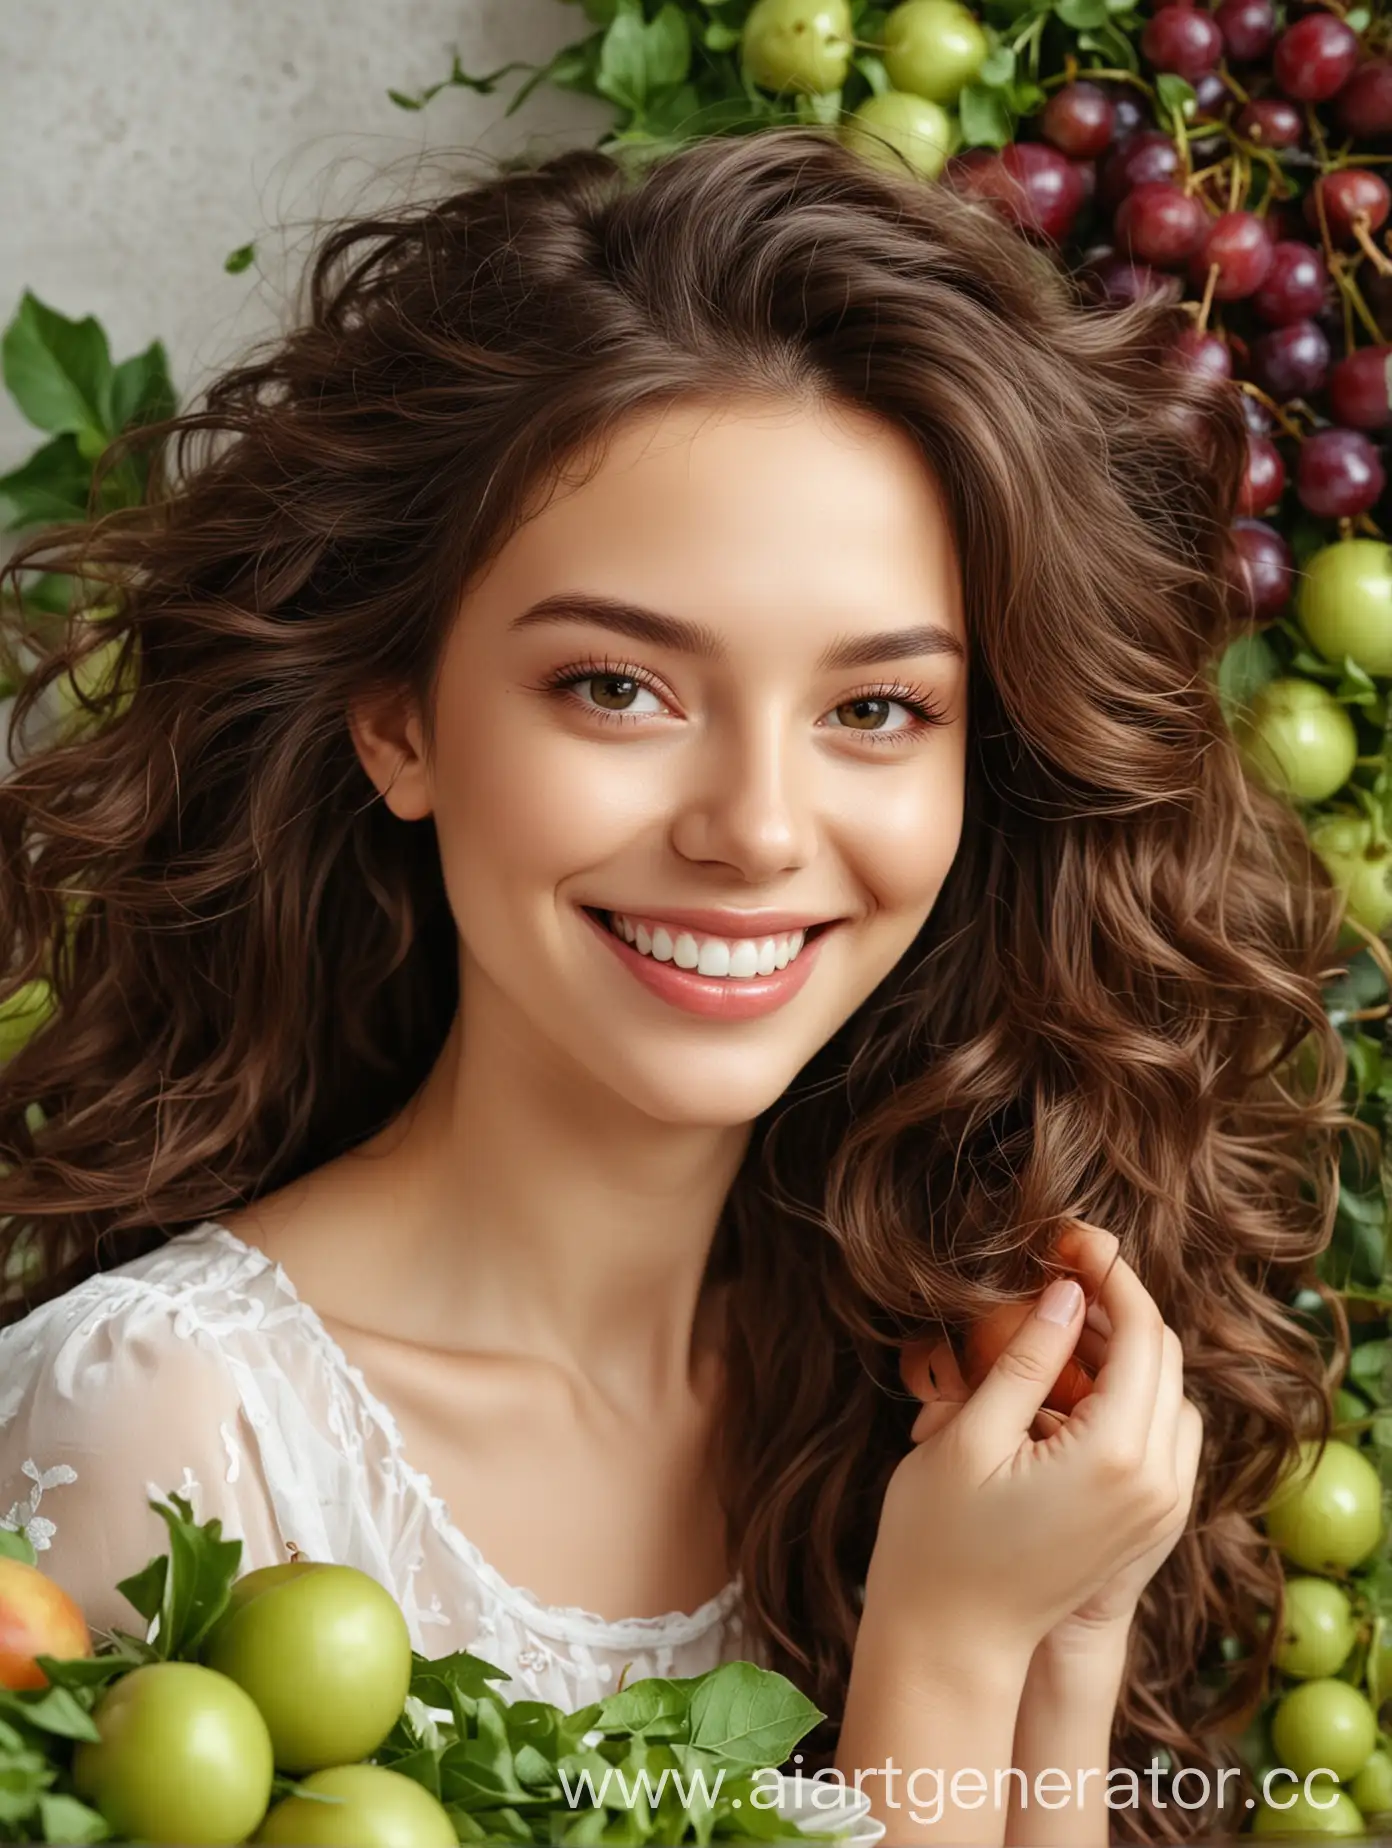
387	736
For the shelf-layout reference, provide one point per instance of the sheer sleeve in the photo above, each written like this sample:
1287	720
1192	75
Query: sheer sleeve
109	1395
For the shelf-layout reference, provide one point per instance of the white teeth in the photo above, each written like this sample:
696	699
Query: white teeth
744	958
713	957
737	959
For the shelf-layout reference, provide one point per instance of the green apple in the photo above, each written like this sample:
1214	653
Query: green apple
1371	1790
934	48
1362	871
324	1652
22	1014
1298	739
798	44
184	1757
1318	1631
1332	1812
1324	1725
372	1808
1344	601
922	132
1327	1516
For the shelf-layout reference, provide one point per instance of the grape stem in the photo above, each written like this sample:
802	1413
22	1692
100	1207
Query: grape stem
1206	305
1363	232
1277	411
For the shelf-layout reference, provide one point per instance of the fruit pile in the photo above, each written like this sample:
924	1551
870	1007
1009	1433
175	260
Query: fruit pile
286	1706
1334	1653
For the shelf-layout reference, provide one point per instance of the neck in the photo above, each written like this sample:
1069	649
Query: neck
553	1219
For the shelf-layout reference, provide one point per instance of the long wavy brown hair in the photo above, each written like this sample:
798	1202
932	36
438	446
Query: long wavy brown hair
255	965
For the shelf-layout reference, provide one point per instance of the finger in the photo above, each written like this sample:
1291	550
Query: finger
933	1417
1005	1404
1123	1398
1163	1439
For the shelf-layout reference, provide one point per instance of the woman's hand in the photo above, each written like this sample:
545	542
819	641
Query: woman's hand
1010	1537
931	1372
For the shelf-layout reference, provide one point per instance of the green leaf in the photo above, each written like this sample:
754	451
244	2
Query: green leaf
58	371
1176	96
1082	15
15	1545
64	1819
984	118
52	486
188	1588
1248	662
751	1716
461	1673
721	38
998	69
623	64
141	390
49	1710
667	46
1114	45
655	1701
1355	688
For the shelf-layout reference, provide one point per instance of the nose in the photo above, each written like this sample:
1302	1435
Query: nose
749	803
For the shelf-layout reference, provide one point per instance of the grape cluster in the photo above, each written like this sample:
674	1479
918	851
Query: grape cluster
1237	189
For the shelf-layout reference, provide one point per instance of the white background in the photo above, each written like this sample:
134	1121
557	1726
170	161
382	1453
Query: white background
142	140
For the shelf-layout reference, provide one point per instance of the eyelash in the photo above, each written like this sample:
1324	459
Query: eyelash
913	699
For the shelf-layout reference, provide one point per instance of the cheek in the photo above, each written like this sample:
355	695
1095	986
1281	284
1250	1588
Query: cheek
904	841
521	806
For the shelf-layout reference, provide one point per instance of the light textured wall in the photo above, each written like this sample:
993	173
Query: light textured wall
142	140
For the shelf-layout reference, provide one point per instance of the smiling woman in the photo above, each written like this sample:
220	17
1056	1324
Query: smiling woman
674	834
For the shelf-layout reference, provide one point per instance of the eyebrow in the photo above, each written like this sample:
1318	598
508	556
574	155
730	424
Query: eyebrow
696	638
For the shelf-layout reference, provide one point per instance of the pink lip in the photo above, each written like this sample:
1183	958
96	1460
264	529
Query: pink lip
717	921
714	997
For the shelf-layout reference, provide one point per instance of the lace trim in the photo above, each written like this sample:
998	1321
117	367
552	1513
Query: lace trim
561	1622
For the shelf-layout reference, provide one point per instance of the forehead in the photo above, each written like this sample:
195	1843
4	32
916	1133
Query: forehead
746	513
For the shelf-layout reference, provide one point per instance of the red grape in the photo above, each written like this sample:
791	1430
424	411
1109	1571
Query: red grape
1255	415
1248	27
1148	155
1315	57
1364	105
1266	566
1128	111
1078	120
1295	286
1033	185
1241	246
1160	224
1347	194
1291	362
1182	39
1271	122
1358	394
1339	474
1265	478
1124	281
1211	97
1205	353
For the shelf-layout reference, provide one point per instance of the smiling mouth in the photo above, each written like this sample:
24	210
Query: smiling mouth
700	953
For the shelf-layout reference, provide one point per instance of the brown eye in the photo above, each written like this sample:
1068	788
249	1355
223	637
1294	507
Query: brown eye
612	691
864	714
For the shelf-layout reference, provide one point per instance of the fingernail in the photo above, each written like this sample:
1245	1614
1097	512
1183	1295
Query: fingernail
1061	1301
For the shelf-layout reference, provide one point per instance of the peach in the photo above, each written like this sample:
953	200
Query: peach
37	1618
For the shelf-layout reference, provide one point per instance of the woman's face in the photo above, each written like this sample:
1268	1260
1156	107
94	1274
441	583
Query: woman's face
678	724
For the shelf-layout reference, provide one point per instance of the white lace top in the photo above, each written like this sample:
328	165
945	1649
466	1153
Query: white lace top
198	1368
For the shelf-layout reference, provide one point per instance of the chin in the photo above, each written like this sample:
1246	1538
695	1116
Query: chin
726	1095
